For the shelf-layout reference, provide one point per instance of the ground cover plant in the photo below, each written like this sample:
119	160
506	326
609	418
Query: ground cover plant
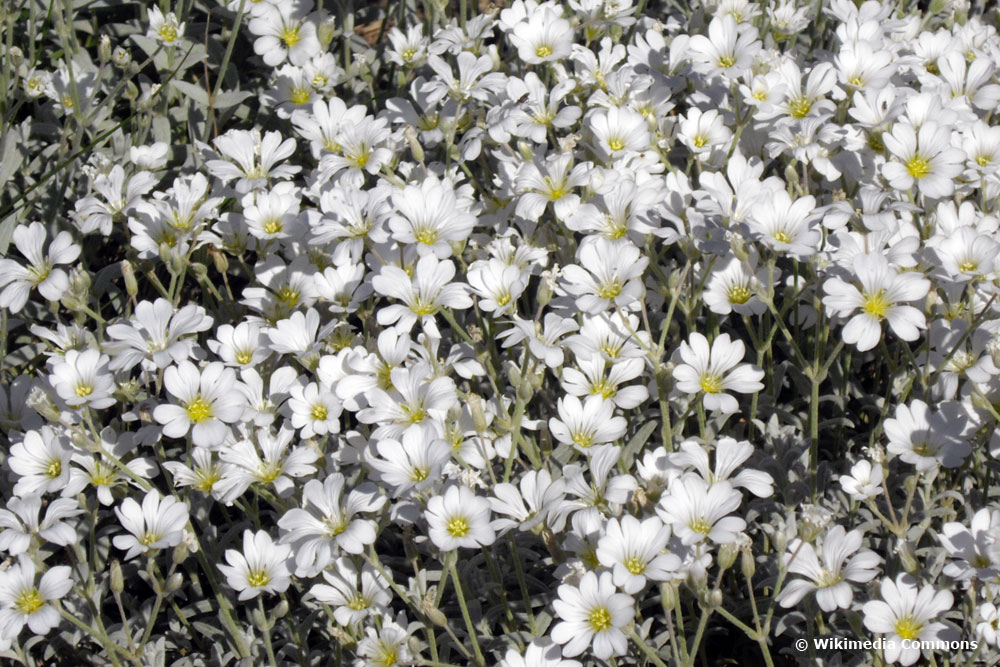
526	334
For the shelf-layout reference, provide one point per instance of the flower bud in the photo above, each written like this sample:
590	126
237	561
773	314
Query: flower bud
714	598
104	49
414	143
326	31
121	57
478	411
131	92
259	621
748	566
280	611
199	270
131	284
181	552
117	580
727	555
16	56
220	261
669	594
174	582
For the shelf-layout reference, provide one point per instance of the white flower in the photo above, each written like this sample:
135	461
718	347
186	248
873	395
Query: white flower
884	291
41	273
206	403
157	524
262	566
158	334
924	157
426	294
284	33
40	462
593	614
907	612
926	438
715	370
864	482
633	549
539	653
21	601
619	130
352	602
989	627
329	521
20	523
828	577
544	37
164	28
82	379
459	518
432	216
697	511
585	424
609	275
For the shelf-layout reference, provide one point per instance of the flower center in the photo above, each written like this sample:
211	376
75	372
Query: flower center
635	565
245	357
268	472
458	526
827	578
600	619
290	36
198	410
699	141
288	296
319	412
583	439
700	525
610	290
148	538
28	602
908	627
616	144
426	235
800	107
781	236
726	62
258	578
168	32
739	294
357	603
419	474
273	226
918	167
543	51
299	96
602	388
84	390
423	307
54	469
968	266
408	54
711	384
875	304
924	449
982	160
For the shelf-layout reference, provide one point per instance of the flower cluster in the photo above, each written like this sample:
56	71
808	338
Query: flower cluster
564	333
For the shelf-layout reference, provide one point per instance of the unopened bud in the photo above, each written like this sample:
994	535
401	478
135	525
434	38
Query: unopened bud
714	598
727	555
414	143
280	611
526	150
220	261
175	581
16	56
121	57
181	552
478	412
199	270
131	284
669	594
131	92
259	621
748	566
117	580
326	31
104	49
